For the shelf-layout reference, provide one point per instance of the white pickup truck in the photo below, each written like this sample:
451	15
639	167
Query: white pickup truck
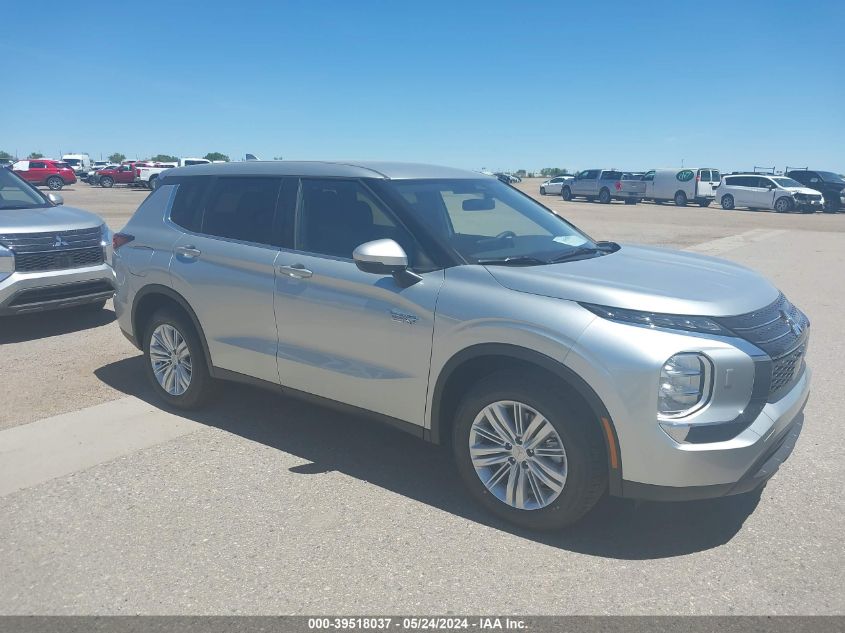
148	176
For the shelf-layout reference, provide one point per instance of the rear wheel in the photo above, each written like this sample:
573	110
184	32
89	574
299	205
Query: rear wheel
153	184
727	202
783	205
107	182
604	196
55	183
680	199
566	193
175	363
526	454
831	206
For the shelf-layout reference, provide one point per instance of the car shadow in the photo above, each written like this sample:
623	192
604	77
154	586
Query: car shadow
391	459
37	325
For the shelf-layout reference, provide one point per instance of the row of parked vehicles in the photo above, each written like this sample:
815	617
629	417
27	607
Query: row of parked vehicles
55	174
803	190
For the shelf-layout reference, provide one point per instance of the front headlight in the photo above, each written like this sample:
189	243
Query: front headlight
658	320
684	388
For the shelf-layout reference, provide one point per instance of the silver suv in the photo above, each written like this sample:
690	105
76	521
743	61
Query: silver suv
452	306
50	256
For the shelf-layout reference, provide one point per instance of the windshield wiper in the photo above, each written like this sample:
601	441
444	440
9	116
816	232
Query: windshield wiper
602	248
513	260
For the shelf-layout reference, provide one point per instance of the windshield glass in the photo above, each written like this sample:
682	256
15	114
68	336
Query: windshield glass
72	161
787	182
17	194
831	177
487	220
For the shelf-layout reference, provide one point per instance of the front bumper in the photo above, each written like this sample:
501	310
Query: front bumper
781	435
23	293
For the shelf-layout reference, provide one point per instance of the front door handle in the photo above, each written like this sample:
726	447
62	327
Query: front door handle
190	251
297	271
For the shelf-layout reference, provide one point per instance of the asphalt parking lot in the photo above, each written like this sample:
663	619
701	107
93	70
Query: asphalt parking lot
265	505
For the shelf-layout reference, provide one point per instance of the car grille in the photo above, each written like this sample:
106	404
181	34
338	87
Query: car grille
782	331
808	197
55	250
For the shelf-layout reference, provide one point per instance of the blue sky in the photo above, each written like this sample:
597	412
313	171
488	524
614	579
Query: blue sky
502	85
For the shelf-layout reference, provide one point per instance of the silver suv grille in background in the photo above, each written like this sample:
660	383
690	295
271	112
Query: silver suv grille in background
56	250
781	330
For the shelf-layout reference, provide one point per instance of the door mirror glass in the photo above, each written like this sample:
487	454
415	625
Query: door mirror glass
380	257
478	204
55	199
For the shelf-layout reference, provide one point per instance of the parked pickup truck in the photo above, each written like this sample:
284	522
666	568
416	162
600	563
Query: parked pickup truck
148	176
603	185
108	177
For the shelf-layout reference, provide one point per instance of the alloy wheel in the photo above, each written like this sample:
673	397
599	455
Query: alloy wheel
518	455
170	359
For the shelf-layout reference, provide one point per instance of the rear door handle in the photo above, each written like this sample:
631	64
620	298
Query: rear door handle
191	251
297	271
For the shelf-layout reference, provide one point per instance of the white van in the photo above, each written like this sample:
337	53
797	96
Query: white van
80	163
682	185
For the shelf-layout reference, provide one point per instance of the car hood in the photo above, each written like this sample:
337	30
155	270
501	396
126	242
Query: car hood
645	278
807	190
45	220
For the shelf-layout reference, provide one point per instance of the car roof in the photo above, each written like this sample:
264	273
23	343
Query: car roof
340	169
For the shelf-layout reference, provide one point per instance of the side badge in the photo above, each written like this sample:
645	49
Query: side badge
401	317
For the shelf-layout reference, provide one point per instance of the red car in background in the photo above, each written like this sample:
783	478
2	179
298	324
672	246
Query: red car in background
123	174
43	171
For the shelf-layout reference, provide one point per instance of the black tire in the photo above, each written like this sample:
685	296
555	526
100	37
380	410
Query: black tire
783	205
107	182
586	478
727	202
831	206
704	203
604	196
542	191
55	183
680	199
200	386
153	183
566	194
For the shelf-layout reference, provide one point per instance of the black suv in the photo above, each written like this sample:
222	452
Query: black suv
832	186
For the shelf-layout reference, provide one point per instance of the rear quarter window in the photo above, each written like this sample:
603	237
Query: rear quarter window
189	203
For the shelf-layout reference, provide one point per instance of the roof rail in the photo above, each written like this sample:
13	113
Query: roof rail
789	169
764	170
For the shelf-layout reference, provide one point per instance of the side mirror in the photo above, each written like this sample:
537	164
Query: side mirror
385	257
55	199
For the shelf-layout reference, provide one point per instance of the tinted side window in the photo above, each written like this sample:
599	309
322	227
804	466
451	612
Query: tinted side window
649	175
242	209
590	174
715	175
37	165
611	175
704	174
188	205
336	216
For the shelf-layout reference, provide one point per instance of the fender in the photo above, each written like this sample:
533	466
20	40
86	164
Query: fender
607	428
175	296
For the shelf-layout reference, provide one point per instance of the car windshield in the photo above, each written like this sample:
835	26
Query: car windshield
72	161
15	193
829	176
486	221
787	182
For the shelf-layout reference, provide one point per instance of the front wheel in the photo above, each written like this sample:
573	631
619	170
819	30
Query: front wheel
566	194
542	191
604	196
175	363
680	199
55	183
727	202
783	205
526	454
107	182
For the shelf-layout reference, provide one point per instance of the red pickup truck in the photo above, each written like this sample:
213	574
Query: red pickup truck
43	171
120	175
